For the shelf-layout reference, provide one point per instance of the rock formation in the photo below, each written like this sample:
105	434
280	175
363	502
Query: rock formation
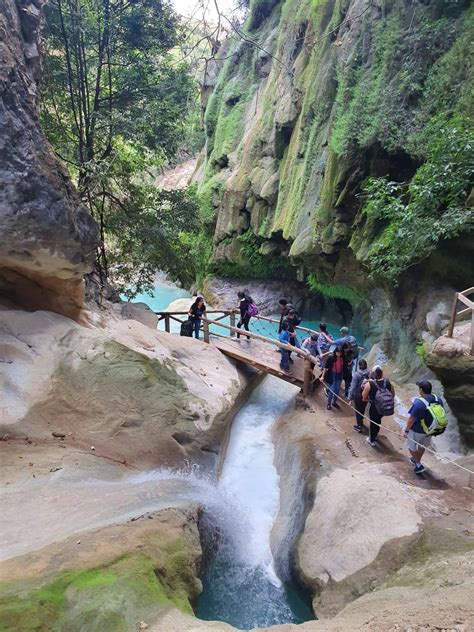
47	237
451	361
133	393
317	98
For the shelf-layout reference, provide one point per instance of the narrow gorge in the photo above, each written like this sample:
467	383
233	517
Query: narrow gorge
152	152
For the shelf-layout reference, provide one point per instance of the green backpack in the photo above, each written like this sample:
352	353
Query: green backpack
439	417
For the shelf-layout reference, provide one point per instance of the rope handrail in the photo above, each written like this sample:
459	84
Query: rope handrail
394	432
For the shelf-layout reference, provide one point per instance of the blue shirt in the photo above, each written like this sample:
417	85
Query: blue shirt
419	412
284	337
322	344
350	340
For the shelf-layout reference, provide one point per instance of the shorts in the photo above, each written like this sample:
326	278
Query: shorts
419	437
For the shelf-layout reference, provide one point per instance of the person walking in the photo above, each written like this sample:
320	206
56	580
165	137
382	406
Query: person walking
284	336
333	375
196	313
426	418
348	365
380	394
284	307
355	394
244	304
310	344
349	340
293	320
325	340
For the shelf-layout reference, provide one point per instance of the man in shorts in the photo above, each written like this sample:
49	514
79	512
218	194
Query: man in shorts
417	439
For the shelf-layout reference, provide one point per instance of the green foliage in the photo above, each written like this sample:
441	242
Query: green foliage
115	105
420	350
431	208
334	291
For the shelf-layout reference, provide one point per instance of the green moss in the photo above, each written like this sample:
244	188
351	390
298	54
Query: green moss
103	599
334	291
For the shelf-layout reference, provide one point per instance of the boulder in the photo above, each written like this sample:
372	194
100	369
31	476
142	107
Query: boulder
48	238
334	544
131	388
140	312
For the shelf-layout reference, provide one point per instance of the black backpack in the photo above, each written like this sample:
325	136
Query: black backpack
187	329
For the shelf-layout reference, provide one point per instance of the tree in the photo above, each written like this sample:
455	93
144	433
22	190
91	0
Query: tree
114	98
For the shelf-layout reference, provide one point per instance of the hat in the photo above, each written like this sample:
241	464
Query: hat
344	330
425	386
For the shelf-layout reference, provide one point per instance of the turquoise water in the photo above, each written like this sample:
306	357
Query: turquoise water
240	584
163	294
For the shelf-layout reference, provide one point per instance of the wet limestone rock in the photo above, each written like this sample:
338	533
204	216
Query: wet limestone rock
136	395
110	579
453	365
47	236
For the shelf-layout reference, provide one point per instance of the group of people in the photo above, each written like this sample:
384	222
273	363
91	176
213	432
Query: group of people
337	361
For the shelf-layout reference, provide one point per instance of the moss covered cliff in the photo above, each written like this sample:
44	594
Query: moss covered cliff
339	145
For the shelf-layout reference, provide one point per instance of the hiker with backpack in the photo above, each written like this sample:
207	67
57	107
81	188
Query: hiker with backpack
359	380
426	418
310	344
380	394
247	309
196	313
333	375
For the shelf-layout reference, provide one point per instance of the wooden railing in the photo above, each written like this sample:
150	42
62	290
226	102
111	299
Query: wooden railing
462	297
232	330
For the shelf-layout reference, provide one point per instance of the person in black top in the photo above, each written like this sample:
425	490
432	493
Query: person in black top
244	302
377	381
285	306
196	312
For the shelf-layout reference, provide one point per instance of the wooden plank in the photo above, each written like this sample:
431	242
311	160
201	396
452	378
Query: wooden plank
466	301
258	355
250	334
452	320
467	292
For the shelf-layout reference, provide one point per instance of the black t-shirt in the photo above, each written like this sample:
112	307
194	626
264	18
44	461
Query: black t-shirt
197	312
244	305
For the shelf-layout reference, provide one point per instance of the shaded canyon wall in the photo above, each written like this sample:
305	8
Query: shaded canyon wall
47	237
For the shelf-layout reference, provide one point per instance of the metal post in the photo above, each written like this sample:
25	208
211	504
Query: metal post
453	316
167	323
205	327
232	322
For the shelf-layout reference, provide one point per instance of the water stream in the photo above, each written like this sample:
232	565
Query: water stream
240	565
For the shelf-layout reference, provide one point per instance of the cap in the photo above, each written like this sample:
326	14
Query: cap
425	386
344	330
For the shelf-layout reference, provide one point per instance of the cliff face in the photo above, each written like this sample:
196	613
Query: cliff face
320	100
47	237
318	97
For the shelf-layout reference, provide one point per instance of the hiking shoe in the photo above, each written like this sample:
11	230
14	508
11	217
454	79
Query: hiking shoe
357	428
336	405
372	443
419	469
412	461
329	407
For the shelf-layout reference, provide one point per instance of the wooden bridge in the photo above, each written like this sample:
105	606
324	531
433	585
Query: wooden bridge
256	350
